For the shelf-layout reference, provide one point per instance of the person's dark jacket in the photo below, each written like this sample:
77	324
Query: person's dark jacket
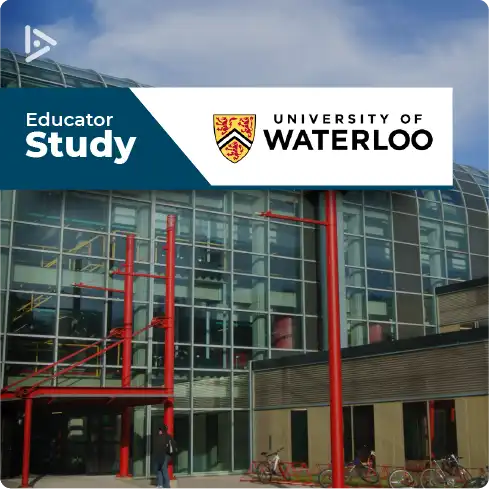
161	445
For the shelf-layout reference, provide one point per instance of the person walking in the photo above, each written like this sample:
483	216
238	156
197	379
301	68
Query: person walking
164	448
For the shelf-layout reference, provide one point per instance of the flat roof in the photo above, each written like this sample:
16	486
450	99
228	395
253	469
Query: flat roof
459	286
475	335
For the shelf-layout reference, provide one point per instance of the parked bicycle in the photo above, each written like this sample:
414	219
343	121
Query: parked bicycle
366	471
401	478
272	466
447	473
480	481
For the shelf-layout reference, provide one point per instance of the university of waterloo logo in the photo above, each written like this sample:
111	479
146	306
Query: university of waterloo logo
234	135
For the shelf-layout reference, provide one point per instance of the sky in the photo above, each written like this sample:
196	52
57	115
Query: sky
278	42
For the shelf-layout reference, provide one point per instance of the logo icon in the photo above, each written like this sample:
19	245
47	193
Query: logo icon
234	135
29	44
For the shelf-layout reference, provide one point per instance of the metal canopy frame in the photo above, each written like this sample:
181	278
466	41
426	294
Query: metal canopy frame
334	328
126	393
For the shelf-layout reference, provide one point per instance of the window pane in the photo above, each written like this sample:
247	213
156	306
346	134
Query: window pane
211	327
377	198
354	196
379	254
377	223
86	211
311	242
433	195
409	308
474	202
241	357
429	209
285	203
381	306
429	310
285	296
355	276
250	235
433	262
241	438
285	240
456	237
211	390
286	332
183	287
250	293
431	233
80	317
310	205
214	200
430	284
6	198
212	289
250	329
281	267
357	333
4	233
174	197
405	228
313	333
381	332
354	252
352	219
211	259
40	207
477	219
479	241
183	320
479	265
312	299
452	197
211	230
408	283
311	271
250	202
37	237
88	270
458	265
249	263
407	258
409	331
31	313
32	270
184	223
85	243
129	216
355	303
29	349
212	358
380	280
403	203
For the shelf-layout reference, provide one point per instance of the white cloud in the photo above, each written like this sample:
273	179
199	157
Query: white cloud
279	42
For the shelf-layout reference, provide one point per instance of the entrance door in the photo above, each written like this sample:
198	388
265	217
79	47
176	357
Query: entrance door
299	437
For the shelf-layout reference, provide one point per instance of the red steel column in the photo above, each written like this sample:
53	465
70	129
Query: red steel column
127	355
169	361
334	341
26	455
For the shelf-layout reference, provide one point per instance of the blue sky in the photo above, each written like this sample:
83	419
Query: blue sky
278	42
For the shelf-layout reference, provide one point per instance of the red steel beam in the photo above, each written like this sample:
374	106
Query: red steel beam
127	355
334	329
169	361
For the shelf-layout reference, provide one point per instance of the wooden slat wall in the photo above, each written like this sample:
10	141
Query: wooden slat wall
453	371
464	306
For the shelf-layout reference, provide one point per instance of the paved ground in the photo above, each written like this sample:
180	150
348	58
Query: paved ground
114	482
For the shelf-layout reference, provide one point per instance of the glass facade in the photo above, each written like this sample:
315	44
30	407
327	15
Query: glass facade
246	288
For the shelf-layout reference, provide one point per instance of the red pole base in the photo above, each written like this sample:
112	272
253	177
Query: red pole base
120	476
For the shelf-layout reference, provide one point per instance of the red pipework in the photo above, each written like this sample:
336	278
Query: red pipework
334	329
334	341
127	355
26	455
169	360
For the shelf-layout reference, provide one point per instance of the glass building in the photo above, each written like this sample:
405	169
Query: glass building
247	288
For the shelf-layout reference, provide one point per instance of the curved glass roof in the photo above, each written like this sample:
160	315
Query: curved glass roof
15	73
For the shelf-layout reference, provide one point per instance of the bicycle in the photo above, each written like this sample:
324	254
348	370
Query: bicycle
447	473
401	478
273	466
480	481
365	471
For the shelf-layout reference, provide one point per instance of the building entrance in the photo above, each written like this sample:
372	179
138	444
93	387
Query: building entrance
64	443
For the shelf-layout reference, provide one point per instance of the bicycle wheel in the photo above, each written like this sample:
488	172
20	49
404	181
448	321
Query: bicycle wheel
401	478
476	482
370	475
432	478
284	470
264	473
464	476
325	478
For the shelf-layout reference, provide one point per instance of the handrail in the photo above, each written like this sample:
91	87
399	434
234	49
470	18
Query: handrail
154	322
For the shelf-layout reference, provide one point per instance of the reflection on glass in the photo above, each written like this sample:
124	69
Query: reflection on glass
377	223
83	318
212	289
285	240
38	207
357	333
86	211
409	308
182	356
250	235
355	303
87	270
241	440
377	279
211	258
31	313
211	357
211	327
286	332
211	390
381	306
6	199
250	264
285	296
213	200
250	202
211	230
354	251
29	349
433	195
85	243
4	233
430	284
37	237
431	233
250	329
352	219
456	237
174	197
183	286
129	216
433	262
142	249
212	442
281	267
381	332
454	214
183	255
241	357
452	197
285	203
355	276
379	254
429	310
184	219
458	265
377	198
31	270
429	209
250	292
